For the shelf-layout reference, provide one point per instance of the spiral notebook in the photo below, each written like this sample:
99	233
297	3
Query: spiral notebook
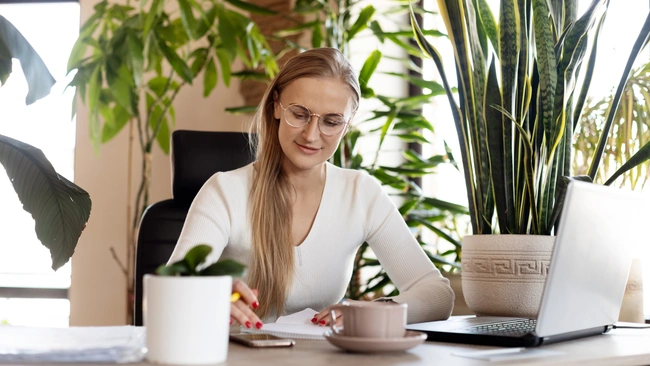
297	326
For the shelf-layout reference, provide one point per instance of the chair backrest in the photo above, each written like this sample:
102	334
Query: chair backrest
195	157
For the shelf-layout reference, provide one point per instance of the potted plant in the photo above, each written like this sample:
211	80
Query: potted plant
130	63
59	207
187	309
522	83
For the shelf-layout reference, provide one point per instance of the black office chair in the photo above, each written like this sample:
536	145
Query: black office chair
195	157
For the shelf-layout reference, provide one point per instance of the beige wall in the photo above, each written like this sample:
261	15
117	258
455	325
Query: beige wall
98	289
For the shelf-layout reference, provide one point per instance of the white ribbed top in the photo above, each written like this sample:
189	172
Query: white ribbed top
354	208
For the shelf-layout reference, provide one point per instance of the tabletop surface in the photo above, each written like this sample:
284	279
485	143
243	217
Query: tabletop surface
619	347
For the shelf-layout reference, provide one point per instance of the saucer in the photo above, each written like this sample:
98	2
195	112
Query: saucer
375	345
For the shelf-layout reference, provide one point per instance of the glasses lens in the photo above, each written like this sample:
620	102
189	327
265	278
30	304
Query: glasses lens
297	115
331	124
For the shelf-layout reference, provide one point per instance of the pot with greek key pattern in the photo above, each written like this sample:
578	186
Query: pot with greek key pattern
504	275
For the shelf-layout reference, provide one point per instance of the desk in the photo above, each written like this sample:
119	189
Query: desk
619	347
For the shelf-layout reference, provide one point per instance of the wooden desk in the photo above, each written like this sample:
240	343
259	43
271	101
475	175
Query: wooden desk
619	347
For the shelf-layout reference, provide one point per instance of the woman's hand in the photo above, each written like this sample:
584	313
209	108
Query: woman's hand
324	318
240	310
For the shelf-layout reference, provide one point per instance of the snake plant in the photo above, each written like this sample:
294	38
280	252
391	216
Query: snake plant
522	84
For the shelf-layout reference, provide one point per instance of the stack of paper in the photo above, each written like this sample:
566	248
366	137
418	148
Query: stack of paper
297	326
124	344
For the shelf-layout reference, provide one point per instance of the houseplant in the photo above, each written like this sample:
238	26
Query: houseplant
336	24
630	131
187	307
515	129
59	207
131	61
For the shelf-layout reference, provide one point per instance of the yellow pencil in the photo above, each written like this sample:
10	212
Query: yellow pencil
235	296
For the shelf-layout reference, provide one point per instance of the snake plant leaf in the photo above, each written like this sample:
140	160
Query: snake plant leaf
59	207
642	39
14	45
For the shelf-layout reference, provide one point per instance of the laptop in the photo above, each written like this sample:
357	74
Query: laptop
587	276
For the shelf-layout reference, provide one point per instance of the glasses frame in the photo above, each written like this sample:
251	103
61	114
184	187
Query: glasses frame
320	118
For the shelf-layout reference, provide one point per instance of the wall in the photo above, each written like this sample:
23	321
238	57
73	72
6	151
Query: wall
98	288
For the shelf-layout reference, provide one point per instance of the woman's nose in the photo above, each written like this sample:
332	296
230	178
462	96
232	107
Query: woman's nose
311	131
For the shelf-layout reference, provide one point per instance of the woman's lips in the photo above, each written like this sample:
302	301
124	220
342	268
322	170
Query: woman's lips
308	150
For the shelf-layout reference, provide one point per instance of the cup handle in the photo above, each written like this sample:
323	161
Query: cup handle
333	326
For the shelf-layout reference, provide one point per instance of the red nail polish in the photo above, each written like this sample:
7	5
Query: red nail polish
314	320
230	321
322	322
258	325
256	305
248	325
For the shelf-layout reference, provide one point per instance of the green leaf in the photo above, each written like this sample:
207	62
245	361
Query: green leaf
369	67
179	268
210	78
197	255
224	267
316	35
176	62
251	8
39	79
187	17
120	119
362	21
59	207
224	61
249	109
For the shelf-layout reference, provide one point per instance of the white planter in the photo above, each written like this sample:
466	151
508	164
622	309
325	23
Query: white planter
504	275
187	319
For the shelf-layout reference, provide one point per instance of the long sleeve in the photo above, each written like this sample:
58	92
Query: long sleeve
208	219
422	287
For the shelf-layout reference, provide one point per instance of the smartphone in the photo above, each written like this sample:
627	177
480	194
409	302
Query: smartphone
261	340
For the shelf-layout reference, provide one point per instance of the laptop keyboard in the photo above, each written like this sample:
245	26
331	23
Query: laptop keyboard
513	327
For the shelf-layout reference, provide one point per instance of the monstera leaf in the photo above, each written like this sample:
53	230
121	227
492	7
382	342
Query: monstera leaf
59	207
14	45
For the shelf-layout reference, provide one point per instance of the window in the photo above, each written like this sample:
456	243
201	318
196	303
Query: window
30	292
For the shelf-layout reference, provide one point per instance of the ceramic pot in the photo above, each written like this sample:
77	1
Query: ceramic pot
504	275
187	319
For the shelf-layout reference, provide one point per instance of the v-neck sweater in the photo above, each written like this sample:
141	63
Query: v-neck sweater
354	209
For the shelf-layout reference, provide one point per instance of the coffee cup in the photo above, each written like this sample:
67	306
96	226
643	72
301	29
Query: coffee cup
370	319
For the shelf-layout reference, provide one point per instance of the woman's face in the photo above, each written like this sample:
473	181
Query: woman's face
306	148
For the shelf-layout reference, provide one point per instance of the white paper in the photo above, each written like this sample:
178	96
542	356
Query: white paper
75	344
297	325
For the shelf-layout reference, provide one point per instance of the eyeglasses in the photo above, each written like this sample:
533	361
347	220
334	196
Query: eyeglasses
329	124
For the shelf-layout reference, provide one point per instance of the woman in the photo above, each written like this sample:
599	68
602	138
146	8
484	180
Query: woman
296	220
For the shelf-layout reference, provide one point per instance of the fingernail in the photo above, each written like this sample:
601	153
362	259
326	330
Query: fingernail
256	305
322	322
314	320
248	325
258	325
230	321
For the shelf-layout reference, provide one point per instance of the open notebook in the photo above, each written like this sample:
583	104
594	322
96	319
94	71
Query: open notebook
297	325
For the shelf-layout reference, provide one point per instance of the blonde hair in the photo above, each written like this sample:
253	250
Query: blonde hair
272	265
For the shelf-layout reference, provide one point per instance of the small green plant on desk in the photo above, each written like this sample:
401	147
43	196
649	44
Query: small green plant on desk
195	259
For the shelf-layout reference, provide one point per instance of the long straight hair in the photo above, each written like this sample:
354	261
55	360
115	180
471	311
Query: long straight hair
270	197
